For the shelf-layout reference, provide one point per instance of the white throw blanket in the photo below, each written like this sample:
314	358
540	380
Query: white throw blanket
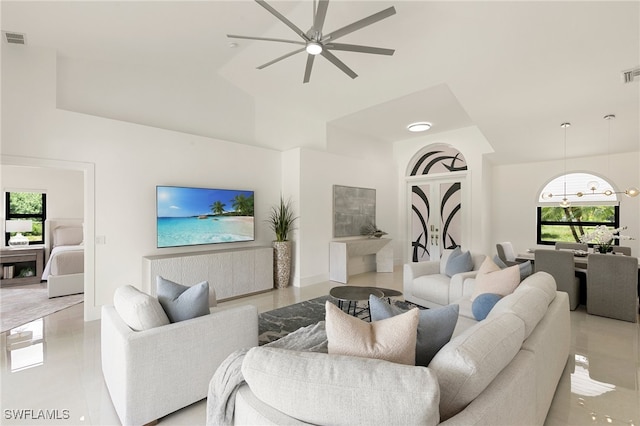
228	377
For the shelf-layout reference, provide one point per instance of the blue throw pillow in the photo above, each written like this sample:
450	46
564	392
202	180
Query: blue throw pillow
435	326
483	304
458	262
181	302
526	268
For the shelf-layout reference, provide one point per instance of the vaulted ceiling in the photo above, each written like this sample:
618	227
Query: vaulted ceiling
514	69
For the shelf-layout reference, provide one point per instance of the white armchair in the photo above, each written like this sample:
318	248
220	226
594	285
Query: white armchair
152	373
426	284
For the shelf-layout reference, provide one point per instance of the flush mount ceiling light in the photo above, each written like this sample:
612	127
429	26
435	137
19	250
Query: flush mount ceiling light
421	126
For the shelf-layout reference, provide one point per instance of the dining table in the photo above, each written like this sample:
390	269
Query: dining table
580	258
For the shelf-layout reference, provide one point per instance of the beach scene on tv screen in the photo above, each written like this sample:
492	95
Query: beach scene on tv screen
194	216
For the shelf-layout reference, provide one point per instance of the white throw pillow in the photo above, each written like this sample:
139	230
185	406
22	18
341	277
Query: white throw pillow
492	279
392	339
138	310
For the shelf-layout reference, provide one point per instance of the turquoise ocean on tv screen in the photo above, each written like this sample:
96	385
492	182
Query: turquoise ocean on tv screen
184	231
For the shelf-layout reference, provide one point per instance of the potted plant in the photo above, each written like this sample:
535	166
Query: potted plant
281	221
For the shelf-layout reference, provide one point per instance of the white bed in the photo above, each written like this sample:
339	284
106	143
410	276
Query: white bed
64	271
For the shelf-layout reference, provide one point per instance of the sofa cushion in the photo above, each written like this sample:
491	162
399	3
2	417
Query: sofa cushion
329	389
529	304
492	279
137	309
483	304
458	262
435	326
183	302
469	362
392	339
526	268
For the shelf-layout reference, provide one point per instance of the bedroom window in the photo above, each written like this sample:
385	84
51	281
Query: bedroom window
27	206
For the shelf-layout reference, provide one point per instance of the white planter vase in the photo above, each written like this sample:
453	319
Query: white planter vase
282	253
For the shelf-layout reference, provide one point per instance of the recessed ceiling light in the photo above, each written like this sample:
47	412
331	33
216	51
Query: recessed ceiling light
421	126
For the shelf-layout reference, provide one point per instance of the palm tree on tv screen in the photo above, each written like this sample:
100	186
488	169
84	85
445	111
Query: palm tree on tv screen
218	207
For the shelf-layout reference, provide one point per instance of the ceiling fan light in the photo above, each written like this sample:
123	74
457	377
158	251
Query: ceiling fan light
313	48
421	126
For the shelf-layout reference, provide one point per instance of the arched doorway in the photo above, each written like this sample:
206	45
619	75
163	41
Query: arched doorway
436	184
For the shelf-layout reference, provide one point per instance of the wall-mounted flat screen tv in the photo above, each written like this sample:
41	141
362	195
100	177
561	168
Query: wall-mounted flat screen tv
196	216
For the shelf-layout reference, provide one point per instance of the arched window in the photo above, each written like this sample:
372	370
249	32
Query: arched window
592	201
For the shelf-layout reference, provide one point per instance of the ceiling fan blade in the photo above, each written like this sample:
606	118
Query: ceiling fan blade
321	13
338	63
284	20
280	58
307	70
360	24
281	40
358	48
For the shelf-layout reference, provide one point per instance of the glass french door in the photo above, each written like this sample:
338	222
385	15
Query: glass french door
436	217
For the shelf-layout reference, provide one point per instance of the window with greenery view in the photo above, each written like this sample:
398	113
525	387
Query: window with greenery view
568	224
27	206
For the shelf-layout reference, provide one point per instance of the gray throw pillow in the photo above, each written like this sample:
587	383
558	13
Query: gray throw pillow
526	268
182	302
458	262
435	326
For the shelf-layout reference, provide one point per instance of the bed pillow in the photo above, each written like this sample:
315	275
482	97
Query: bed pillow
492	279
183	302
483	304
138	310
392	339
435	326
458	262
67	236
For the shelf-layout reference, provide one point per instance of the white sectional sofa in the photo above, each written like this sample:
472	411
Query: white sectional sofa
502	370
426	284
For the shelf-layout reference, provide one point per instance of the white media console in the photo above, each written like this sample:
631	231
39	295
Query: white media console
341	251
232	272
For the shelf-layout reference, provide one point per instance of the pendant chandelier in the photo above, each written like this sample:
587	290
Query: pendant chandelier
592	186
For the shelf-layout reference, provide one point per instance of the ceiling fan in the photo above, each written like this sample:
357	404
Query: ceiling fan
314	42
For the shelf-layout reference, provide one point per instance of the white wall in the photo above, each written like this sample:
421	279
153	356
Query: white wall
130	160
64	188
516	188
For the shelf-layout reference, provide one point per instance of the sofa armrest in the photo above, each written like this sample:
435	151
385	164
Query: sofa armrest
155	372
414	270
457	284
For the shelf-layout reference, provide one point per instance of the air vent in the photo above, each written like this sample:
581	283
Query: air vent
630	75
14	38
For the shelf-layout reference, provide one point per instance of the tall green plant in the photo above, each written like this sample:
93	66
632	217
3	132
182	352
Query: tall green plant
281	219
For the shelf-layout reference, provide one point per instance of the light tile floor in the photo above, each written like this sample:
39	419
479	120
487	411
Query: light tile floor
62	374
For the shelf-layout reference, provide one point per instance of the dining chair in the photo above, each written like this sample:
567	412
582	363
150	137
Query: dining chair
612	286
561	245
624	250
506	253
560	265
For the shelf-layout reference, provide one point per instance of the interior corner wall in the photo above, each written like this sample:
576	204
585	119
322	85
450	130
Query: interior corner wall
130	160
319	171
473	145
291	191
516	188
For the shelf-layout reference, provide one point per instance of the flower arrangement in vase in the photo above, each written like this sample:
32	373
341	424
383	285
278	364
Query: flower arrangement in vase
603	237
